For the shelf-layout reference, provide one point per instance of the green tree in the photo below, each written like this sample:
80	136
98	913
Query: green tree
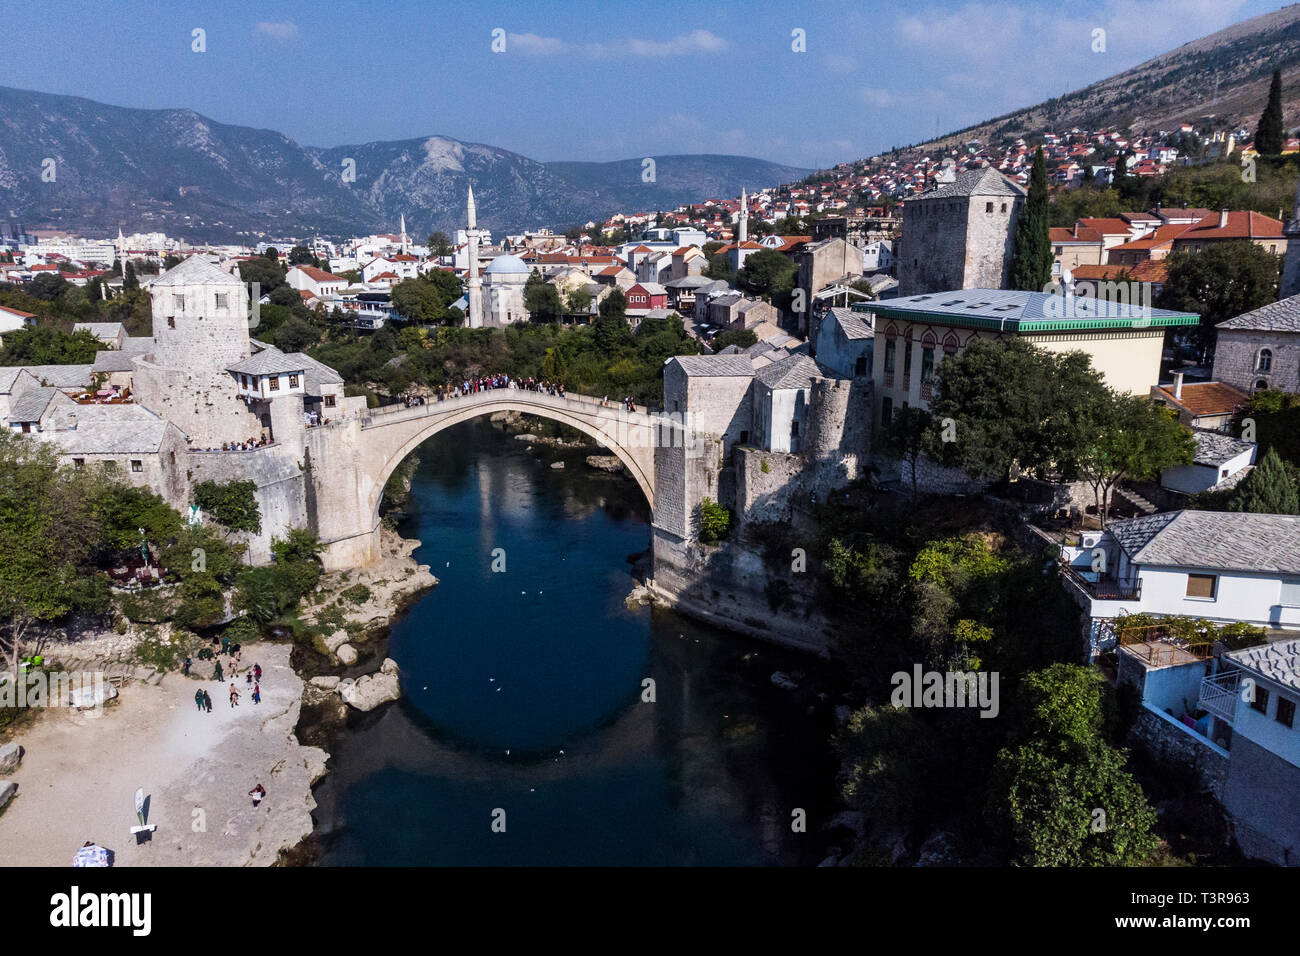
232	504
301	256
1221	282
440	244
578	301
1268	489
47	532
1031	263
129	280
742	338
1269	132
295	335
1059	770
767	273
1011	403
542	300
1128	437
908	435
47	345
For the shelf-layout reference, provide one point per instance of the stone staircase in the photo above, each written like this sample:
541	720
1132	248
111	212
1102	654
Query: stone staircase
1136	500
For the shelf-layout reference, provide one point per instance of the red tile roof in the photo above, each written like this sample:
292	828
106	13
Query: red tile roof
1206	398
1241	225
1107	227
319	275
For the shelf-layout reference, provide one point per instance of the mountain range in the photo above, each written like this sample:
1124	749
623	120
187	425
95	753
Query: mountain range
74	164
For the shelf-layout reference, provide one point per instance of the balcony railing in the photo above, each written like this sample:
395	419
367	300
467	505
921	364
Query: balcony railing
1219	695
1105	589
1158	645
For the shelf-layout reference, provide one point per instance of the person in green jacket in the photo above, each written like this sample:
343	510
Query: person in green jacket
198	698
218	674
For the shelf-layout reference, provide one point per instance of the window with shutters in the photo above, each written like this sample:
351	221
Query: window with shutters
1290	592
1202	586
1285	711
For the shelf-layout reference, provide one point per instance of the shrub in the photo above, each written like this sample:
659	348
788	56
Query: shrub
715	521
357	594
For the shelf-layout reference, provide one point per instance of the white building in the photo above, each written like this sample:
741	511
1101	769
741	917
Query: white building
1219	463
318	282
503	291
1221	566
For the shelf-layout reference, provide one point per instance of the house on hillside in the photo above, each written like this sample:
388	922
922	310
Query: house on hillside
1220	566
1219	463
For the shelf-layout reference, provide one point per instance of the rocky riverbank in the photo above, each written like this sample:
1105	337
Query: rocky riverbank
80	770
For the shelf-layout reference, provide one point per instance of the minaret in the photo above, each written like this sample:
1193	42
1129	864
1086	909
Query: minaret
473	289
743	232
1291	264
402	230
121	250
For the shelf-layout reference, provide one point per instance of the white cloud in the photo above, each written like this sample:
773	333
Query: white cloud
877	97
283	32
696	41
840	64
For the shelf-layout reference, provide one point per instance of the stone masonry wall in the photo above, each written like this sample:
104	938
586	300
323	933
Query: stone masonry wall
1237	353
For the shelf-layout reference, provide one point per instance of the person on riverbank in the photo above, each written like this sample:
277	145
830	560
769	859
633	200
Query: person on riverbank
185	668
257	693
257	672
198	699
257	793
225	644
234	696
207	701
218	674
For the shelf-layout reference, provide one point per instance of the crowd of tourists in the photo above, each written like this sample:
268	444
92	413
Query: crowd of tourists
485	383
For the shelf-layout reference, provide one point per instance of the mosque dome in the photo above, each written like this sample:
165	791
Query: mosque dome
506	265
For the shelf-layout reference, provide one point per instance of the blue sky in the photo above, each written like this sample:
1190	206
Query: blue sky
598	80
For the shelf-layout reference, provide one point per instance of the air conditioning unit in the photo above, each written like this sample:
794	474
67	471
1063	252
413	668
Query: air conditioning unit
1089	539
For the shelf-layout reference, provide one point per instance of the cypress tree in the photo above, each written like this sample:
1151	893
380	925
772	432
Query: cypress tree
1267	490
1268	135
129	279
1031	264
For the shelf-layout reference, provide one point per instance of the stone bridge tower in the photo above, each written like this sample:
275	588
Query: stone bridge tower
200	328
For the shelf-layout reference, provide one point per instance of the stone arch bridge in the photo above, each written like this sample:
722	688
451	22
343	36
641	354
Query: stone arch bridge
349	466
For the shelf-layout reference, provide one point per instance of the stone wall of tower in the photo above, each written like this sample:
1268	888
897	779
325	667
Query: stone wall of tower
184	377
200	400
838	445
957	243
932	251
990	241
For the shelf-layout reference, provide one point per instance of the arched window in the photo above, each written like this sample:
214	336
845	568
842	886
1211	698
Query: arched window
1265	361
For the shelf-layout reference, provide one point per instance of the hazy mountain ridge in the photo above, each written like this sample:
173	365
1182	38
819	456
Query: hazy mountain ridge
1224	75
178	171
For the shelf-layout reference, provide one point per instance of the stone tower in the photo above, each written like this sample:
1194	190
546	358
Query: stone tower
1291	265
200	329
960	234
473	286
